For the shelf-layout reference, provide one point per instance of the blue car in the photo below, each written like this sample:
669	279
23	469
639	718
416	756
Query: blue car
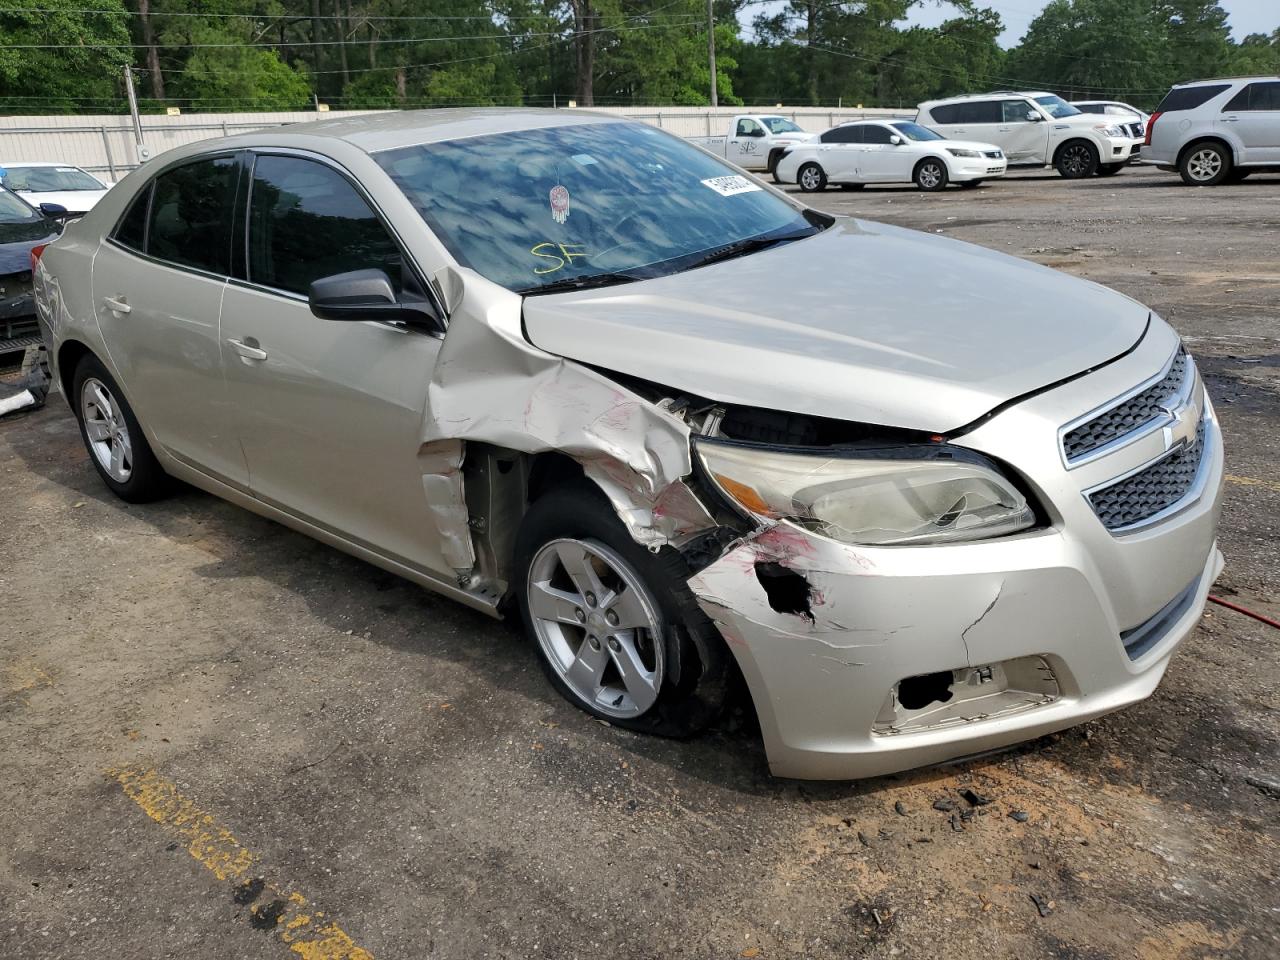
23	228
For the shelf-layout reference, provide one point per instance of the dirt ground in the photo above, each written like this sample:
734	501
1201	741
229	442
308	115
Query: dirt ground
192	698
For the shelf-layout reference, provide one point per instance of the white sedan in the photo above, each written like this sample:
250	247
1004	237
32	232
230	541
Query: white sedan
888	151
61	183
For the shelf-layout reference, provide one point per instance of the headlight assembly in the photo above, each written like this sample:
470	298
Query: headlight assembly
961	152
1110	131
903	495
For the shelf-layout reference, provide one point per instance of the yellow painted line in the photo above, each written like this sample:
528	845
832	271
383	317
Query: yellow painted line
211	844
1253	482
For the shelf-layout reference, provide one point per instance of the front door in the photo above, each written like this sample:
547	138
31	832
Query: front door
879	160
1253	115
1023	140
158	284
330	412
748	146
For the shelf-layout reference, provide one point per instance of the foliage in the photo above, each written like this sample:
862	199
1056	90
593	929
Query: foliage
83	75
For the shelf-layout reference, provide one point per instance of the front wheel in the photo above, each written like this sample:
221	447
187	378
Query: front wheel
930	174
616	627
1109	169
811	178
1205	165
1077	159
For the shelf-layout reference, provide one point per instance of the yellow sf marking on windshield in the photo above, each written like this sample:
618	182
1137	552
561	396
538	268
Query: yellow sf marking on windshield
561	253
1253	482
216	848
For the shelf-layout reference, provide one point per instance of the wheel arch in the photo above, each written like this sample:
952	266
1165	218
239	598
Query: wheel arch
1057	151
70	353
915	167
1206	138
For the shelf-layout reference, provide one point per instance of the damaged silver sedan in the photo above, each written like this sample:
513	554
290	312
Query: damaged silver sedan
927	500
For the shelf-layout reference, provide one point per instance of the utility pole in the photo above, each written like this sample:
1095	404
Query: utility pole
711	50
140	148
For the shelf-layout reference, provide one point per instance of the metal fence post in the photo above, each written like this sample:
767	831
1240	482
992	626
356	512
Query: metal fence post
106	146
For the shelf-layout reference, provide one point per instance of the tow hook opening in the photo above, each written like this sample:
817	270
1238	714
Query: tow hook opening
915	693
788	592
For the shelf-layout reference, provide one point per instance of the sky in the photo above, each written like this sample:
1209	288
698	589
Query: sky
1244	16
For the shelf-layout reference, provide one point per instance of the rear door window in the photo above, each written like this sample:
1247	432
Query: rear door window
852	133
191	209
1255	96
981	111
132	231
1188	98
307	221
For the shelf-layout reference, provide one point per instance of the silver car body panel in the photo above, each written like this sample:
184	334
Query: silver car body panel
877	325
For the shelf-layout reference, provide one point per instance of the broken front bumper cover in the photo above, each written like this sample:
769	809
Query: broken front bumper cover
1025	611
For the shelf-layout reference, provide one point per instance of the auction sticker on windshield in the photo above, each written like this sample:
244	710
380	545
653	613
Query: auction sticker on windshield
729	186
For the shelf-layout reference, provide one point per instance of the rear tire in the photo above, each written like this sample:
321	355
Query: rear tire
1205	164
1076	160
624	641
117	447
930	174
812	178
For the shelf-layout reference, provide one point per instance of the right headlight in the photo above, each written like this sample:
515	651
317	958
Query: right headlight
891	496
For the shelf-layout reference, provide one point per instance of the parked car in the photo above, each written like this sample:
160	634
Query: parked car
1131	118
24	231
1213	131
899	151
59	183
1035	129
754	141
933	500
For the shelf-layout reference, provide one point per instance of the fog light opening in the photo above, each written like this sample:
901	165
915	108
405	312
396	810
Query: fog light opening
915	693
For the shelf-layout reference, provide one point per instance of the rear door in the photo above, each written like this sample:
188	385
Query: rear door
330	412
1253	115
1022	139
158	283
839	153
978	120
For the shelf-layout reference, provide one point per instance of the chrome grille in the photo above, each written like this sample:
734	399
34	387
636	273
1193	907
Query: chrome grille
1140	496
1127	416
992	154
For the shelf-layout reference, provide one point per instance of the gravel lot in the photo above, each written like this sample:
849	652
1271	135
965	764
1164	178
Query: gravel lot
397	771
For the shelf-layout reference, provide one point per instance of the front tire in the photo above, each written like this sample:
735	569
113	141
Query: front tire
616	628
1077	159
118	448
1205	164
930	174
812	178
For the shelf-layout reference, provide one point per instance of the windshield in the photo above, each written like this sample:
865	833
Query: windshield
913	131
539	207
49	179
1057	107
13	210
779	125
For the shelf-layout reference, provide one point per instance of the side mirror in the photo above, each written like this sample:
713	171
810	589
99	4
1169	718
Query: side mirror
366	295
54	211
1033	116
895	139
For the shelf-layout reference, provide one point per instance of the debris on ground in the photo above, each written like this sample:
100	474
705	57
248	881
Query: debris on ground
1044	906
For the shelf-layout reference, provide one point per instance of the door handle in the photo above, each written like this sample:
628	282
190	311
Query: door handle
1230	119
246	350
117	304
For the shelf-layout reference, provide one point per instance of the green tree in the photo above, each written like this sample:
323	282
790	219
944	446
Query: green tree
82	68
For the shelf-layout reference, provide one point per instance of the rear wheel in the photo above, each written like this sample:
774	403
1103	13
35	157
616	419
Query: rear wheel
811	178
930	174
117	446
1109	169
1205	164
616	627
1077	159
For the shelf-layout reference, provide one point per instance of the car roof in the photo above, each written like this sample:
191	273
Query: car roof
375	132
992	93
34	163
1198	83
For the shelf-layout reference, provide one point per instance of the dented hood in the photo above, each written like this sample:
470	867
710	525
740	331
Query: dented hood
863	322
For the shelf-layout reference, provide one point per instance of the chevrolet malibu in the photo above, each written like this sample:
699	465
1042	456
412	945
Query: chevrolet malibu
931	502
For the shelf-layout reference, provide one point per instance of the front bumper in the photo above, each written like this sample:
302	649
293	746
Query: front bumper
981	168
1068	597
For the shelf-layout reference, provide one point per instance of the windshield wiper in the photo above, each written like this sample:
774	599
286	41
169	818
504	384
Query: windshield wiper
579	283
743	247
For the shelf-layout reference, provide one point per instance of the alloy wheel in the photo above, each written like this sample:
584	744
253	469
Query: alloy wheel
1204	164
810	178
108	433
930	176
1075	160
598	626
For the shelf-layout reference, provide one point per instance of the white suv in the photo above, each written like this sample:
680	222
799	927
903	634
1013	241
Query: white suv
1212	131
1035	129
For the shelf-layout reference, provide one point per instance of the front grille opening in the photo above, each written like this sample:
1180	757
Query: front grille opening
1127	416
1148	492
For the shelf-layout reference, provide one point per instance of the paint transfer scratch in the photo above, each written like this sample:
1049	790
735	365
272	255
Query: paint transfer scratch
306	932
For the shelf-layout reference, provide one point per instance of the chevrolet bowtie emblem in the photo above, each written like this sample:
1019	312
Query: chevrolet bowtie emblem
1184	418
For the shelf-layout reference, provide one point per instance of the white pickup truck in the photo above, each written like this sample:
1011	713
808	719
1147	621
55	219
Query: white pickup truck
755	140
